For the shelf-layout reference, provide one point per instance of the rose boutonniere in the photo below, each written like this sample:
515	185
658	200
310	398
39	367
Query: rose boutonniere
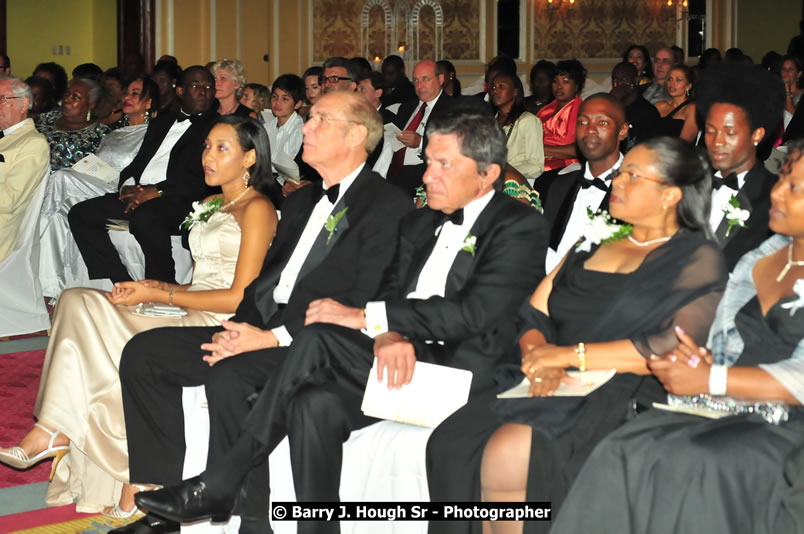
735	215
332	223
601	230
798	289
469	244
202	212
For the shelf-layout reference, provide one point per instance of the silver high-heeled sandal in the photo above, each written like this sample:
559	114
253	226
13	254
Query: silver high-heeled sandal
17	458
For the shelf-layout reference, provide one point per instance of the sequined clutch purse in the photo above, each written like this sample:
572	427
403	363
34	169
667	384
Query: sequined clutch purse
772	412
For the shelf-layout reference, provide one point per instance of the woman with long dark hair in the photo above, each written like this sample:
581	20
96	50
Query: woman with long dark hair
79	405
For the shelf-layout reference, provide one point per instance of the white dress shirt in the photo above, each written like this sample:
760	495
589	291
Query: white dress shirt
721	197
290	273
591	198
11	129
287	138
432	280
412	154
156	170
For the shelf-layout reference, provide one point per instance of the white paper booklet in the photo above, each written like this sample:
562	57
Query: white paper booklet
285	166
391	131
96	167
589	381
433	394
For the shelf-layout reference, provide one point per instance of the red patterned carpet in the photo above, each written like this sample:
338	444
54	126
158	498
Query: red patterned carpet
19	382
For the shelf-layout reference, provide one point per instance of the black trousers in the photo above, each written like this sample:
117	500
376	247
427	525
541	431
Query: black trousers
154	368
314	399
151	224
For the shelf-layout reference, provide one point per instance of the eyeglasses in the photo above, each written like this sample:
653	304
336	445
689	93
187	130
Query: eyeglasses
199	85
634	178
4	98
333	79
322	119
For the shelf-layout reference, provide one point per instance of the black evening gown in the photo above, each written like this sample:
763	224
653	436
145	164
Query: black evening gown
667	472
588	306
672	127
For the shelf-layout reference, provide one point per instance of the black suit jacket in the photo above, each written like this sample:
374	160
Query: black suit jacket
476	318
348	269
754	197
401	92
560	202
185	174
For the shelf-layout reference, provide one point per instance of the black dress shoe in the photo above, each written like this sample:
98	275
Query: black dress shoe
190	501
150	524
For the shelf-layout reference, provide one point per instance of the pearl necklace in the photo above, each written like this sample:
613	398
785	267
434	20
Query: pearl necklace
238	197
648	243
790	263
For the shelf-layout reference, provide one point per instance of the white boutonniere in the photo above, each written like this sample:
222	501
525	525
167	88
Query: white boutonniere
332	223
202	212
469	244
601	230
798	289
735	215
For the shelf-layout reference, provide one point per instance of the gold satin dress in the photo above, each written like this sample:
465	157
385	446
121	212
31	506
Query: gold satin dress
79	393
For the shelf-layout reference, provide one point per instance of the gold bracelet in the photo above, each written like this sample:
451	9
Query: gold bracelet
580	350
170	297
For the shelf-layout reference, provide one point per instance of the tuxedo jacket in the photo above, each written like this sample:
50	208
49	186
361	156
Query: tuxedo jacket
754	196
410	107
401	92
560	201
477	318
348	269
184	181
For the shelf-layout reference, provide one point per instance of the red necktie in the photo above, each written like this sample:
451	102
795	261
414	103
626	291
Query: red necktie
398	161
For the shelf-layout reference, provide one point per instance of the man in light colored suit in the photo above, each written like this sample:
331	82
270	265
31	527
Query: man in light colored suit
24	159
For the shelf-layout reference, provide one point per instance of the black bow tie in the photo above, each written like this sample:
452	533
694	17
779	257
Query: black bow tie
331	192
183	117
729	181
596	182
456	217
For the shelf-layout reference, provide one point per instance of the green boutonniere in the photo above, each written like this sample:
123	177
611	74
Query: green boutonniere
469	244
735	215
202	212
332	223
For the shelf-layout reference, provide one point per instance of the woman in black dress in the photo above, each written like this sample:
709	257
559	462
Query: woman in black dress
678	113
606	306
672	472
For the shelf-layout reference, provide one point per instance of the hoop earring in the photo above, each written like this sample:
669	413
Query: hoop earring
246	178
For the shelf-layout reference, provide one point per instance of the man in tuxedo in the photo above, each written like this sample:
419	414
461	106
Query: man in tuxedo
155	191
335	240
407	165
398	87
737	121
600	128
24	159
340	74
642	116
465	263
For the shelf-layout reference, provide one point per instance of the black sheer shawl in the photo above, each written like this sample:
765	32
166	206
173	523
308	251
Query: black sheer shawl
679	283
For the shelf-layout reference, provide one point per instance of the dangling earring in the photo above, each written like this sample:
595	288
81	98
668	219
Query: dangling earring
147	116
246	178
89	116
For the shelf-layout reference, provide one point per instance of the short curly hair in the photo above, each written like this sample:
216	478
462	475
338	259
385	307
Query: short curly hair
235	68
759	93
574	69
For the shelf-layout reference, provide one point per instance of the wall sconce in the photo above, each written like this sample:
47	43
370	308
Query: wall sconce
555	5
669	7
401	48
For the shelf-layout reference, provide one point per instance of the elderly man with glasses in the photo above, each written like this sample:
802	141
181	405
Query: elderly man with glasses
335	240
24	159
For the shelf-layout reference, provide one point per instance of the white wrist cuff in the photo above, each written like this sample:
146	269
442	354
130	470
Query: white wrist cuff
718	379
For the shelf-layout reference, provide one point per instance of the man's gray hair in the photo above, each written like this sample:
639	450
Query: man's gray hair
479	136
351	71
18	88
